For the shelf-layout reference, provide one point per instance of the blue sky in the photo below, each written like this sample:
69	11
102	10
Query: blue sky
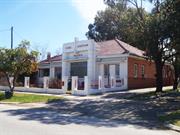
46	23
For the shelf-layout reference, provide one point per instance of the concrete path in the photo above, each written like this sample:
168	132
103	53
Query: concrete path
16	120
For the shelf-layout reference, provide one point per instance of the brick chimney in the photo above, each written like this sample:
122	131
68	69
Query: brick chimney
48	56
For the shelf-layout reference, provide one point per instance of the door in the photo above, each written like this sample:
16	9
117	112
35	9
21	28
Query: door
112	71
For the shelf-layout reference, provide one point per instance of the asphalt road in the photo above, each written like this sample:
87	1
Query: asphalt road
13	124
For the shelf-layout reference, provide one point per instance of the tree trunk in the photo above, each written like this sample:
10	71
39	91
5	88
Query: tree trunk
9	93
159	77
175	85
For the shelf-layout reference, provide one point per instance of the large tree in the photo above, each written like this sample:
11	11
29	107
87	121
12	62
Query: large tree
174	30
117	22
154	30
14	62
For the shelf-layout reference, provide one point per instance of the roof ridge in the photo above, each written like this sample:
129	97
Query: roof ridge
121	45
129	45
56	55
51	59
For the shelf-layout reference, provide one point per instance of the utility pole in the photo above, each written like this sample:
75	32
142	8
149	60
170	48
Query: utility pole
12	37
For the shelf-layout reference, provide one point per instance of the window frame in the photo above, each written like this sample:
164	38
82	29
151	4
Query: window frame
143	71
135	70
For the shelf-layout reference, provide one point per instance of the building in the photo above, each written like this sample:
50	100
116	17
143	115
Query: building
110	65
52	67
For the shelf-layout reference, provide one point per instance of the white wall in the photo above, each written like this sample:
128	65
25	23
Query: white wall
80	51
35	90
124	72
121	60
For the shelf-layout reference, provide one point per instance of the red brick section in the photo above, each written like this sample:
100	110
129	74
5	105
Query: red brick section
149	79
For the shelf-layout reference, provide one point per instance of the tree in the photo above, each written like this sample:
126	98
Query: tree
117	22
154	30
42	49
174	29
14	62
106	25
176	65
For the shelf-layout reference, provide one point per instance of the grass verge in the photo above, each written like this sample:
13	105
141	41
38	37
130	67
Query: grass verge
29	98
173	118
153	94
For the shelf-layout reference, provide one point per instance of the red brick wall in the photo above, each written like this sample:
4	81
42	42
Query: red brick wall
149	80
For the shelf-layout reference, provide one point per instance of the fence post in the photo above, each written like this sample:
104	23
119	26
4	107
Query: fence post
65	83
74	83
86	84
100	82
46	82
26	82
11	79
112	83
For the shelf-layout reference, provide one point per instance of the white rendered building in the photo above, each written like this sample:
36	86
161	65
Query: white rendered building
89	67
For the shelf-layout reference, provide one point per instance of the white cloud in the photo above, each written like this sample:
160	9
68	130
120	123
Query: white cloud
88	8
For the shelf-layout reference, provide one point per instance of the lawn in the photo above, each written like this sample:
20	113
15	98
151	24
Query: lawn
173	118
153	95
29	98
162	99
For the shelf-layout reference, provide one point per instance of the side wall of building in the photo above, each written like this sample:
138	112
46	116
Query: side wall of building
148	79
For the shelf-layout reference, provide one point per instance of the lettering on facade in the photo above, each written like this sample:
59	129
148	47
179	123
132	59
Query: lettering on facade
77	54
77	51
83	45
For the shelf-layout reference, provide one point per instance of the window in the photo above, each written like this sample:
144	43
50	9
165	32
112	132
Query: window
79	69
43	72
58	72
143	71
117	69
135	70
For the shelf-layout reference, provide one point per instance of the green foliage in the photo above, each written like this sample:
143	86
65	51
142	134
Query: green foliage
14	62
117	23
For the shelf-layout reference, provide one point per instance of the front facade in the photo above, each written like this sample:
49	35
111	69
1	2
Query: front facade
89	67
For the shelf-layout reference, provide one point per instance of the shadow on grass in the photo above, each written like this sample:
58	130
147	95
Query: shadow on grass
171	117
121	109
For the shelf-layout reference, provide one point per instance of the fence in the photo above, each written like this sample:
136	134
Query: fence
77	86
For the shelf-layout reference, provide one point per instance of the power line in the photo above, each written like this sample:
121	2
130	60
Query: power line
19	35
3	30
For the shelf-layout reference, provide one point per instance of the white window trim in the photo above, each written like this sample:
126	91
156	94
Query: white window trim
135	70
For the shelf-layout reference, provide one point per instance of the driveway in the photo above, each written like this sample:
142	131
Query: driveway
111	113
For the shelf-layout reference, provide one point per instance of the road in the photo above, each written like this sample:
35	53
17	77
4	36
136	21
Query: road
17	124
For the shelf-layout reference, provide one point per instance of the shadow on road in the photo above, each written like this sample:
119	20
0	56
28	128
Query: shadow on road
110	110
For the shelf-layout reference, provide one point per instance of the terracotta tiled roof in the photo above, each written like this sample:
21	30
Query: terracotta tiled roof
111	47
53	59
131	49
